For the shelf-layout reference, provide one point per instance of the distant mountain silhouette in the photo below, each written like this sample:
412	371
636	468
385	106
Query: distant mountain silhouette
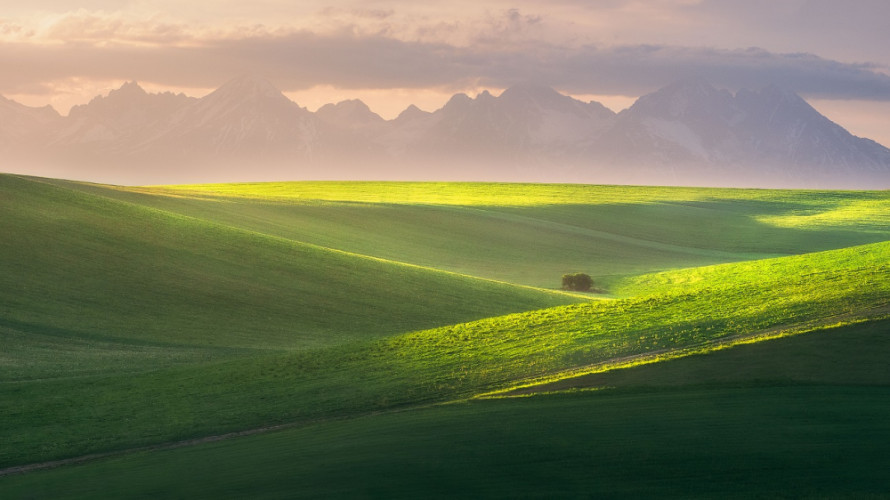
349	114
247	119
20	124
688	133
691	132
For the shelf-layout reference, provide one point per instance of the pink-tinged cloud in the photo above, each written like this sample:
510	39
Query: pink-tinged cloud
302	59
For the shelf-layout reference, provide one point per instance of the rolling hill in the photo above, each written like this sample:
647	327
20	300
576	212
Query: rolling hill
84	270
532	233
800	416
139	318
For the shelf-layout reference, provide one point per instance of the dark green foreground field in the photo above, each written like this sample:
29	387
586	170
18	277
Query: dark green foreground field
739	347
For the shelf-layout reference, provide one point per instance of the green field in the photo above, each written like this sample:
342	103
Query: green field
142	317
533	233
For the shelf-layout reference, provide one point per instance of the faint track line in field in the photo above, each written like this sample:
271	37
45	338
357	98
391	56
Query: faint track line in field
532	387
52	464
614	363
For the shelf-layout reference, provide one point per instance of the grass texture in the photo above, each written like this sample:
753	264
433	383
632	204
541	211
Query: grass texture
803	416
133	317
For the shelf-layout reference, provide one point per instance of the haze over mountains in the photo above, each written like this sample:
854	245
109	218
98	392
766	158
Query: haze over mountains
688	133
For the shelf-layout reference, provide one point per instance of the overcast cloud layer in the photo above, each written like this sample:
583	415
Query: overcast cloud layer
303	60
825	49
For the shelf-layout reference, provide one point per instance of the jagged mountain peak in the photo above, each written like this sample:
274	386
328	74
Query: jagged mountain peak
130	98
246	95
531	91
410	113
684	98
349	104
458	100
348	107
543	97
348	113
526	95
777	104
247	88
128	95
129	88
18	121
688	131
120	113
773	95
752	137
246	118
46	111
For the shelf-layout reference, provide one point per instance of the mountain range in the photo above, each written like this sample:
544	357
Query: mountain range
688	133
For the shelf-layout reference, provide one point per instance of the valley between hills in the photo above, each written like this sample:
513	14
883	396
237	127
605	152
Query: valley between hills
405	339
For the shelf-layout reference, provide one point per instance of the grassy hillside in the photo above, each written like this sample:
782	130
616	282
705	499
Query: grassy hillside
803	416
431	365
516	194
847	355
532	234
740	277
90	284
141	316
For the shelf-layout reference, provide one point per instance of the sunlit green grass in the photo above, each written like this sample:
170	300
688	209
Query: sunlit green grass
431	365
806	274
529	233
783	442
496	194
803	416
864	214
90	284
137	316
853	354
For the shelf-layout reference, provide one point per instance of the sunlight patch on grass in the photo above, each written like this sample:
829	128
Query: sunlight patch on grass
863	215
321	334
478	193
539	385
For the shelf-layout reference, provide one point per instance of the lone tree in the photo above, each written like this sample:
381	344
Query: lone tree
579	282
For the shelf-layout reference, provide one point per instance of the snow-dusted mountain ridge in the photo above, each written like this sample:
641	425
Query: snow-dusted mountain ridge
687	133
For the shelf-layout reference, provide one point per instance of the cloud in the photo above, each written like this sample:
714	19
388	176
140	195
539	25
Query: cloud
637	69
109	48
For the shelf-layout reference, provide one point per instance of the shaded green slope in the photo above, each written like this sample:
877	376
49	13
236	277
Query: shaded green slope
486	242
854	354
803	416
532	234
432	365
31	352
79	266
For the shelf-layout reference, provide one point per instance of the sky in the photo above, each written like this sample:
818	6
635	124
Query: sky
392	53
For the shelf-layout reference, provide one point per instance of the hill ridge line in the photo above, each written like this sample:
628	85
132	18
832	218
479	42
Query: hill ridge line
289	241
491	211
52	464
606	235
773	333
881	312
